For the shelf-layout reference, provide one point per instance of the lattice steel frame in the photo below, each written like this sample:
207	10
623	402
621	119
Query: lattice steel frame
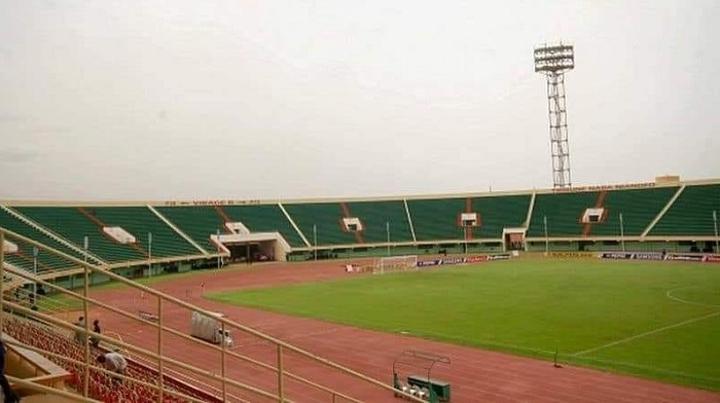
553	61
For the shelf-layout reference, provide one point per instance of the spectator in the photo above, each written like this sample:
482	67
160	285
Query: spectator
96	329
8	393
114	362
31	299
79	334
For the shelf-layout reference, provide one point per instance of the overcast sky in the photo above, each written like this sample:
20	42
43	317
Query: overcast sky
266	99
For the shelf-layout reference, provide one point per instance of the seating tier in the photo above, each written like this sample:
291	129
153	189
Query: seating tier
692	212
71	224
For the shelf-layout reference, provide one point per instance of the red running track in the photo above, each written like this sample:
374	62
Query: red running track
475	375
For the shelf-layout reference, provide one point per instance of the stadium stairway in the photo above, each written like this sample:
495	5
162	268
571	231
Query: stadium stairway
599	203
223	217
346	214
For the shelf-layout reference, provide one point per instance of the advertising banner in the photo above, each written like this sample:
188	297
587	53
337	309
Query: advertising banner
616	255
427	263
648	256
571	254
453	260
685	257
476	259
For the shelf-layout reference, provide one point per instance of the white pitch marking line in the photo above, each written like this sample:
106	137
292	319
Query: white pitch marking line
684	301
637	336
652	368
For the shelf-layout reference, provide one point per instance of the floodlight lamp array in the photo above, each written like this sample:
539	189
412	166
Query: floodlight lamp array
554	58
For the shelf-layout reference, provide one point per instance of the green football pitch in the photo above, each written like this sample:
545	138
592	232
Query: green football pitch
655	319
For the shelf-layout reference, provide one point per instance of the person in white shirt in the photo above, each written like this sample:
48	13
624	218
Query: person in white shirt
79	335
114	362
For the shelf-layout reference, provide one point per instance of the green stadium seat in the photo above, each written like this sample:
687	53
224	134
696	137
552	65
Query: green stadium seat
71	224
328	219
437	219
639	208
197	222
563	212
692	212
46	261
374	216
140	221
24	258
498	213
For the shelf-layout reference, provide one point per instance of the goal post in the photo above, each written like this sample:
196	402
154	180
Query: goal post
391	264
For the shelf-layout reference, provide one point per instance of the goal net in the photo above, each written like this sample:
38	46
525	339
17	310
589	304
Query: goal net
391	264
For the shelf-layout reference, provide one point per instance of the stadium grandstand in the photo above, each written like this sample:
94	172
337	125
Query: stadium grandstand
166	236
65	248
283	201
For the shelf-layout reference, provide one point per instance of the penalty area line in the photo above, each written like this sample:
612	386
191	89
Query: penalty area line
648	333
670	295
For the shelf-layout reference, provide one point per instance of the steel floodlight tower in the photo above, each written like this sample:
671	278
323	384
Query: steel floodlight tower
553	61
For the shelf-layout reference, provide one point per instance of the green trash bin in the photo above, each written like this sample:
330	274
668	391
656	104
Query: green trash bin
439	388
